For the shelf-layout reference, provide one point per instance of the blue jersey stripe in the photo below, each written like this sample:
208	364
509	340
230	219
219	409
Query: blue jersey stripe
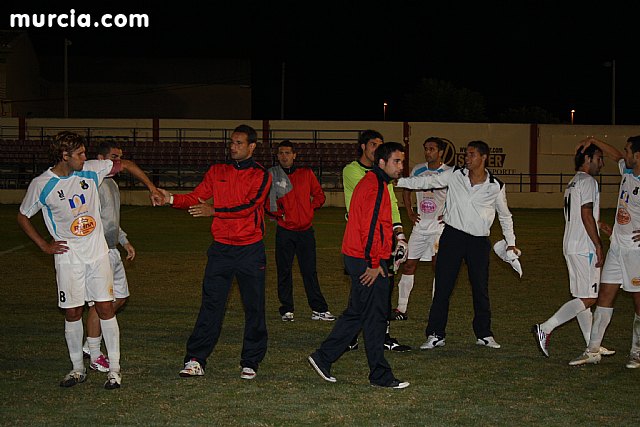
48	188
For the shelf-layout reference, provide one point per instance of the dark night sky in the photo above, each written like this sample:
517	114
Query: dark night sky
343	59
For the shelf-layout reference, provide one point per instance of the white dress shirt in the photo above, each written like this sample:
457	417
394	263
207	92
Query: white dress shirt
469	208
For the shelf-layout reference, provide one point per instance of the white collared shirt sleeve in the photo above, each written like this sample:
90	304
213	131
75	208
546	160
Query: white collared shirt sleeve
504	216
439	180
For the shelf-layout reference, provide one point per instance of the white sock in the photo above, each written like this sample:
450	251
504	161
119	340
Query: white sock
94	347
111	334
404	290
565	313
601	319
635	341
73	333
585	320
85	346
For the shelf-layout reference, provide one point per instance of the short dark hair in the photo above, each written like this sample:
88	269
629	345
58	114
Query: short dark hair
287	143
252	135
104	148
439	142
635	143
481	146
581	154
64	141
366	136
384	151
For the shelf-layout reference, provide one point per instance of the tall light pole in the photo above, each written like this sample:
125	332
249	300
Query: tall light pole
67	43
613	92
384	111
282	93
612	64
572	112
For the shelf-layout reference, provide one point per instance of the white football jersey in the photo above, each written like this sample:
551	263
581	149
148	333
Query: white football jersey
628	210
582	189
429	203
71	210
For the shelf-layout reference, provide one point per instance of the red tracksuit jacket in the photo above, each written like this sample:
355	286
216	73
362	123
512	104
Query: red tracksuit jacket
295	209
239	191
369	229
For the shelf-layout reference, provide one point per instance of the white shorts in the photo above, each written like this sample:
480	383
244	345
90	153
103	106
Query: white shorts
622	266
423	246
120	283
584	277
78	283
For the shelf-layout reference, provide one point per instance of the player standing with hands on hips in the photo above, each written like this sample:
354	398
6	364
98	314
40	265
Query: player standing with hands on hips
68	192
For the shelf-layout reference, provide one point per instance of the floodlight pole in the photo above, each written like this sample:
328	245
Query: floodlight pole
67	43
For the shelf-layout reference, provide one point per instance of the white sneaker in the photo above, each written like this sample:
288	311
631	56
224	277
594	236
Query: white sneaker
488	342
586	358
192	369
542	339
634	360
247	374
433	341
287	317
114	379
606	352
326	316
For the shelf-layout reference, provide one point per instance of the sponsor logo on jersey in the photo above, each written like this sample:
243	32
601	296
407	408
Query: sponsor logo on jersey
78	204
622	216
428	206
83	226
61	194
84	185
635	281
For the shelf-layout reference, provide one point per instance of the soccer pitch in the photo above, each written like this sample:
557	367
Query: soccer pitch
459	384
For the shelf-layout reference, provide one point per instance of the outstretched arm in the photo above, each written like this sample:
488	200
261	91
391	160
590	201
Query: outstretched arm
608	150
129	166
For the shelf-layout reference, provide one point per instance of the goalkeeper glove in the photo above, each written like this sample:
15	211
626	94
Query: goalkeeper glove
400	254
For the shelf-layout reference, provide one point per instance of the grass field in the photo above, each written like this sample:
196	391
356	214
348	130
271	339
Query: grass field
460	384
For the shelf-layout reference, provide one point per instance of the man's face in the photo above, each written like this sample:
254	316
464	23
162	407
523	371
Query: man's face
431	152
393	167
473	160
369	149
595	163
76	158
239	146
630	161
286	156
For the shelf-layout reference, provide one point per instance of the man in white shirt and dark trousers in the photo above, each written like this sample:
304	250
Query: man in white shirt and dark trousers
474	196
581	247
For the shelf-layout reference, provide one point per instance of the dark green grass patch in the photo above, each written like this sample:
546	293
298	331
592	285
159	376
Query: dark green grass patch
459	384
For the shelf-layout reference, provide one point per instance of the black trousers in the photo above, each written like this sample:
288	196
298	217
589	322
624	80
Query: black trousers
301	244
367	310
247	264
455	246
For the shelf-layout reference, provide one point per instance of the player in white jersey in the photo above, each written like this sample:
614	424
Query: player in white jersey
68	195
109	193
427	226
582	249
622	266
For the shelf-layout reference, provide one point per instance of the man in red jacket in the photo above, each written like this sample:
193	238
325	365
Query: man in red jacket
294	196
239	190
366	246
